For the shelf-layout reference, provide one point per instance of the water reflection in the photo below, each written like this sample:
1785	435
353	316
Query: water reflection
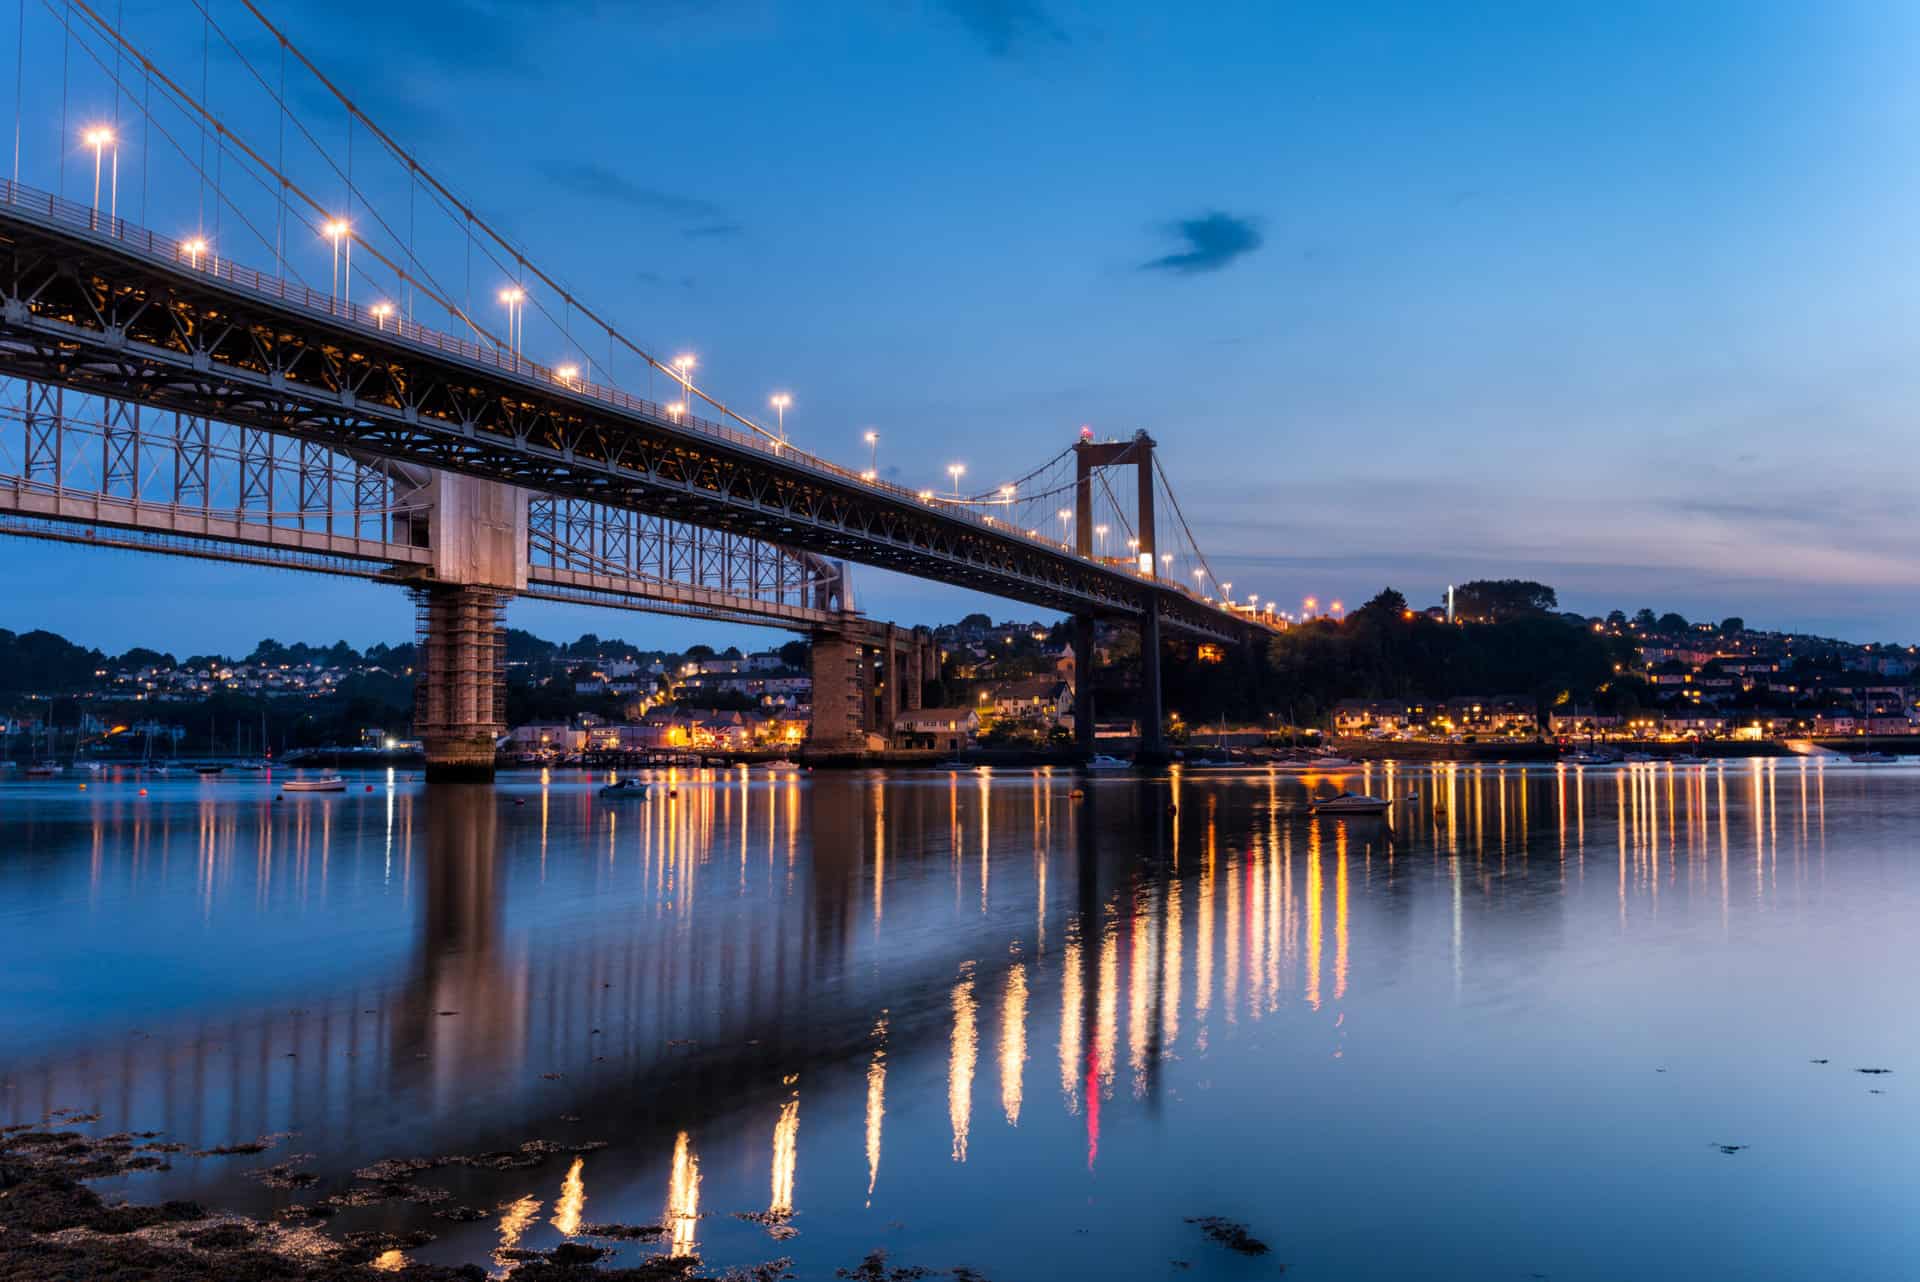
444	970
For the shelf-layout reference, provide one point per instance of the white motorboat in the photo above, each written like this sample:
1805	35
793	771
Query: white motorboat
1873	758
1353	803
626	789
1101	761
320	783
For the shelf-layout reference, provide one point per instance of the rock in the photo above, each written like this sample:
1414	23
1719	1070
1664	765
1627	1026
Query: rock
1229	1234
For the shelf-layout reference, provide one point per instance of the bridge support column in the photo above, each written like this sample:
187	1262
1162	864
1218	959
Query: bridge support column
892	676
1153	743
921	669
838	691
459	680
1083	711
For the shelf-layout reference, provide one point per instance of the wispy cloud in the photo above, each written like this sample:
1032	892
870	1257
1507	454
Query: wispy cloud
1006	27
586	178
1212	241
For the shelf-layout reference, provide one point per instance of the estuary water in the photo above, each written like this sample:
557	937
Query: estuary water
1573	1024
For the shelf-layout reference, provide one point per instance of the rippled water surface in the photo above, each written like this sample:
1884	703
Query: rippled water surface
975	1020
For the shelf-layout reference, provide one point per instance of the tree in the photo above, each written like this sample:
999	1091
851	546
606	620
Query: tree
1494	600
1617	620
1387	605
977	622
1672	624
794	654
1645	619
697	652
1733	626
732	652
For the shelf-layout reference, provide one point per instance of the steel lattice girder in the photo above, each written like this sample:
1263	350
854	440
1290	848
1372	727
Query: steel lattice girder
107	319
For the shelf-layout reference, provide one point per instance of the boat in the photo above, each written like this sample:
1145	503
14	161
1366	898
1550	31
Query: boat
254	764
783	764
1314	765
1688	759
42	770
1589	759
1353	803
624	788
1637	758
1872	758
1101	761
211	768
320	783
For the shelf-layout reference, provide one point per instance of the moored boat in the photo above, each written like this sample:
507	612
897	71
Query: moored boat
319	783
1101	761
626	789
1353	803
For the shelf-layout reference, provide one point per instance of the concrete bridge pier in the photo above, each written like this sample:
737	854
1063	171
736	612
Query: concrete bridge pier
479	541
1153	743
1083	709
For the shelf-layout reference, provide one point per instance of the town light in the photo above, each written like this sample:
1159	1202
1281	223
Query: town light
873	454
195	247
1146	564
380	313
677	409
1006	494
956	471
1101	530
780	401
515	299
567	373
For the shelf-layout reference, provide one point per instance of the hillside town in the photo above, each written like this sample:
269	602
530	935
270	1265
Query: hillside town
999	684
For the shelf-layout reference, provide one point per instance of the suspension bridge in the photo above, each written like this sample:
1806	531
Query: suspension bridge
196	393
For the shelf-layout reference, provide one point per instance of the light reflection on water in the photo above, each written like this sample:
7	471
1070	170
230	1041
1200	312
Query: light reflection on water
1577	980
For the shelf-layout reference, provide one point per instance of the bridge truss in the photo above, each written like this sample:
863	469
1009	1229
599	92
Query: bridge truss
82	468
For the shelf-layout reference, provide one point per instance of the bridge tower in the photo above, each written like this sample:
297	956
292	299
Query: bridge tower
1089	455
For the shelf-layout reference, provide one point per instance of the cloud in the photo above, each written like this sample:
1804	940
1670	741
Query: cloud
1213	240
585	178
1006	27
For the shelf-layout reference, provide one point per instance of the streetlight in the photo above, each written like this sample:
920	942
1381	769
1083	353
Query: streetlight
334	229
515	298
568	374
1336	607
956	471
873	454
683	369
780	402
195	248
380	313
1226	591
677	409
1065	515
99	138
1101	530
1306	608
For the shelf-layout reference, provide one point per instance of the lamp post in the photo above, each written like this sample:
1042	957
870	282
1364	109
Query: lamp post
1306	609
956	471
1101	531
683	370
195	247
1006	495
1226	593
1065	515
568	374
780	402
99	138
676	409
873	455
515	298
380	313
336	229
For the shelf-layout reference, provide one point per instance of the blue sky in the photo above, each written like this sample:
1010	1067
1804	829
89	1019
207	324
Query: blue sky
1617	296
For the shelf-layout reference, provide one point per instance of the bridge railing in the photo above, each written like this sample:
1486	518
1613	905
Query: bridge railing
381	318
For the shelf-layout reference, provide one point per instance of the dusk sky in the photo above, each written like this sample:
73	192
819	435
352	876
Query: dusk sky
1616	296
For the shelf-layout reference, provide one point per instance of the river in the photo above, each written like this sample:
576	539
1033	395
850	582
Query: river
1540	1023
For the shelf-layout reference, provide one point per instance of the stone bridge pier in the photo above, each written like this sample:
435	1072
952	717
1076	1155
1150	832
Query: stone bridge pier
865	674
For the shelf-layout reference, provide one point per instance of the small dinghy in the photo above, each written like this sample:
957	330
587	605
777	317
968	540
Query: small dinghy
1353	803
626	788
323	783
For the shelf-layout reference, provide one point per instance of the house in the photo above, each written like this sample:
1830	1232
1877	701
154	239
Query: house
1572	722
941	729
1369	716
1044	699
